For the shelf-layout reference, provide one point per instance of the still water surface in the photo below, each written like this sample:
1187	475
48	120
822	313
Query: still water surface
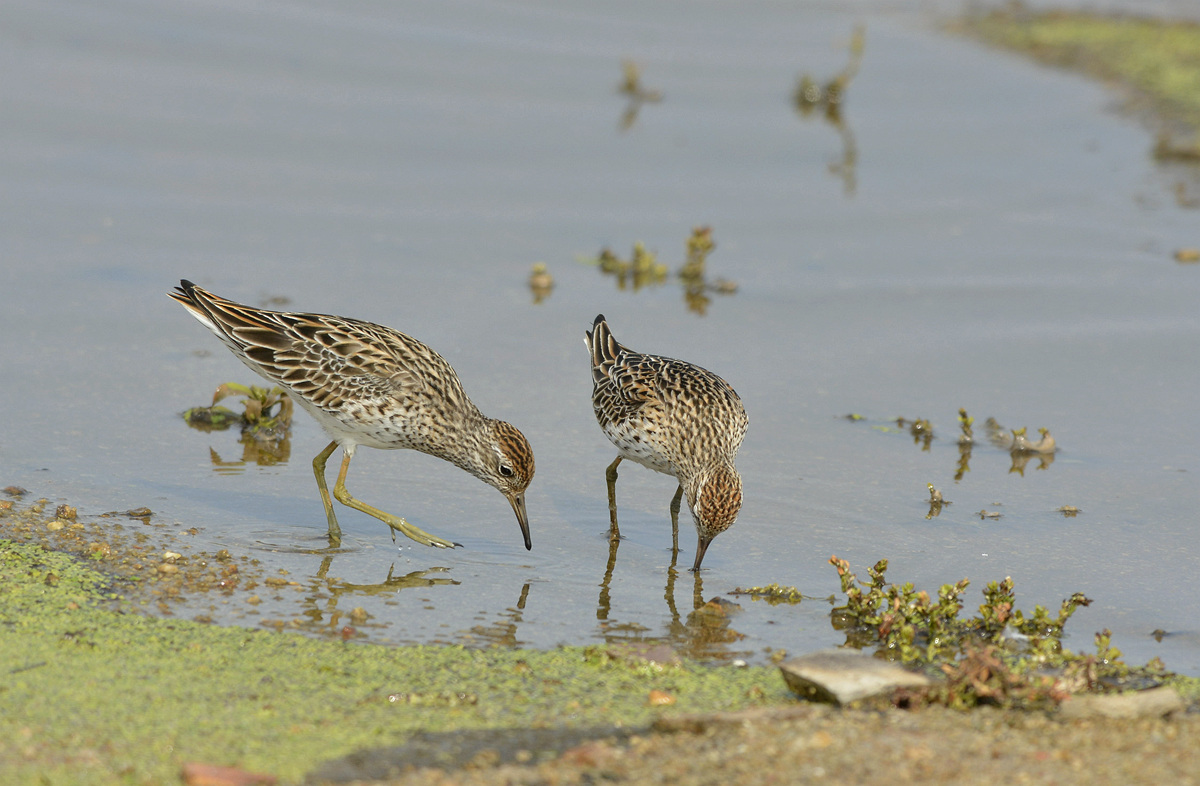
979	232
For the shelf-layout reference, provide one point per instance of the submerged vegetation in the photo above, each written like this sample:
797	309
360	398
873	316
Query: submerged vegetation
265	421
1001	656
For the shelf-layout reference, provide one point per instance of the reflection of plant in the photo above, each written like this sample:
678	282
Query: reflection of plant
1001	656
541	283
643	269
265	420
631	86
921	430
810	95
640	270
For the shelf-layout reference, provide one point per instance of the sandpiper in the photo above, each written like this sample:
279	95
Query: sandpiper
673	417
370	385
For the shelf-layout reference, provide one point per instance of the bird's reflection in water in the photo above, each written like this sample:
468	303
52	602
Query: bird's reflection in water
704	633
325	606
503	632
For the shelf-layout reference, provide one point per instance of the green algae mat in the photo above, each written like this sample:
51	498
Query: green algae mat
1156	61
92	694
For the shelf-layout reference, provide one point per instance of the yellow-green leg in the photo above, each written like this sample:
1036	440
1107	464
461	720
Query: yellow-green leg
335	532
611	476
395	522
675	519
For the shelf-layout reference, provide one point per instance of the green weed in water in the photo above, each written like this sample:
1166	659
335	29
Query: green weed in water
1001	656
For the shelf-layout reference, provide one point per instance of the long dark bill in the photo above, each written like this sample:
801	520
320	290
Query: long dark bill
701	547
518	505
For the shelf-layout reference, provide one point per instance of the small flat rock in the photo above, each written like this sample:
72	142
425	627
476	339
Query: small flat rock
843	676
1153	703
633	652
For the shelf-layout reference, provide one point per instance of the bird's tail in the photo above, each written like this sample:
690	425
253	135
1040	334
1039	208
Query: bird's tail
238	326
602	347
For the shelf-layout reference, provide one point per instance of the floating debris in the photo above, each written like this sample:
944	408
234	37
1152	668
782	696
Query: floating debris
990	514
965	422
1068	511
631	87
643	269
265	420
1187	256
966	442
936	502
1020	447
692	274
541	283
274	301
810	96
773	594
920	429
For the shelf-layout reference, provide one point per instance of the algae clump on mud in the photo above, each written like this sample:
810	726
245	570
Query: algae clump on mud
96	695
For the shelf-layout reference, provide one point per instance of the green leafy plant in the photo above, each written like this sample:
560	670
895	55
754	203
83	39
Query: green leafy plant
1002	656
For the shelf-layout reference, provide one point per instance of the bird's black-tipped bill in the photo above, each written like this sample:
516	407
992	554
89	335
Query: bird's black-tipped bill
518	505
701	548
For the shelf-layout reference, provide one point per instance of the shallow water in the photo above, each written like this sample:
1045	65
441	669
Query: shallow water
1002	243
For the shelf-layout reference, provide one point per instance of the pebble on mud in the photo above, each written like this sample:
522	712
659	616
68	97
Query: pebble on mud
1153	703
660	698
198	774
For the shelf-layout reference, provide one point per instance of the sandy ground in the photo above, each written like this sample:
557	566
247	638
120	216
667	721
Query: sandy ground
822	744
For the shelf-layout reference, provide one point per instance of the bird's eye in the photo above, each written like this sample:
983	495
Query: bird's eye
506	470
